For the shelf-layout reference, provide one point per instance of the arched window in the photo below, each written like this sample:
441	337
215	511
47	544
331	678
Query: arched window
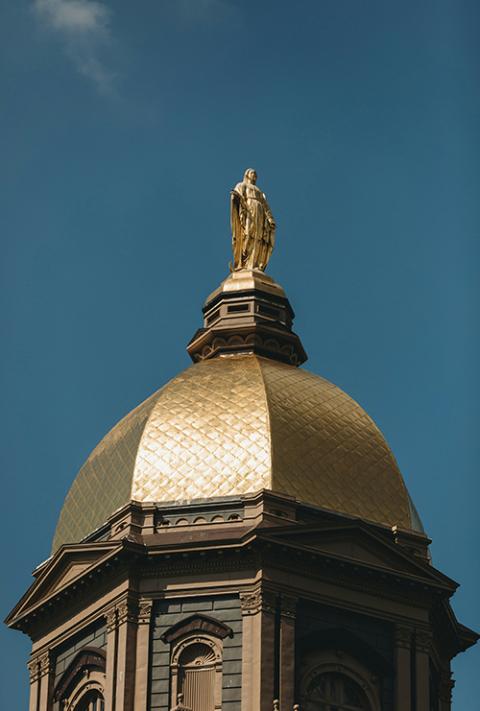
332	691
196	644
196	676
336	681
81	686
196	673
91	701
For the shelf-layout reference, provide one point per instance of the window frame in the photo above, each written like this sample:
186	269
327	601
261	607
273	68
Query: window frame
181	646
339	662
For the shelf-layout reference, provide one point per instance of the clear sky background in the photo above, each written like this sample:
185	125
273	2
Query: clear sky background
123	127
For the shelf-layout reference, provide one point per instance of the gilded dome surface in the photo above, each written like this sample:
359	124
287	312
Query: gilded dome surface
234	425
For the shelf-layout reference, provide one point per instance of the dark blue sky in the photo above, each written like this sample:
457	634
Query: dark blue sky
123	127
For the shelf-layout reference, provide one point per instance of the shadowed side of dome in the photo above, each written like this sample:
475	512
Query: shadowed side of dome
326	449
204	434
104	482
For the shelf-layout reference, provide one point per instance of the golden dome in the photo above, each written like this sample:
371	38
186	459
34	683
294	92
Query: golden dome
233	425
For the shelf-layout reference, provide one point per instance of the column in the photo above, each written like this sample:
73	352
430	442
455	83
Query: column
423	641
446	688
126	640
142	654
111	665
403	650
34	672
258	653
288	606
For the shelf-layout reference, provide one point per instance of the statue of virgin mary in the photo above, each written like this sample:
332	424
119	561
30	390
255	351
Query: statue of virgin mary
253	226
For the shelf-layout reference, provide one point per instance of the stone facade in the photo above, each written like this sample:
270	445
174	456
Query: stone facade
271	603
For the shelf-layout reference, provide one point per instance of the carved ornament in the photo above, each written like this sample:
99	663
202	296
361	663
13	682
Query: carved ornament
145	612
257	600
403	636
423	641
34	670
125	612
195	624
111	619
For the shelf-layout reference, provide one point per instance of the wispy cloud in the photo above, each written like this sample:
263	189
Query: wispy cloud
84	28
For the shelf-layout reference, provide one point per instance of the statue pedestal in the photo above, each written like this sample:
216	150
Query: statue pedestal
249	313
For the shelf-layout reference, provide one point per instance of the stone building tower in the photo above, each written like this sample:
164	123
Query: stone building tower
243	540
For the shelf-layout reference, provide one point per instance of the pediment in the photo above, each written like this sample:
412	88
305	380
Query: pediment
68	565
357	544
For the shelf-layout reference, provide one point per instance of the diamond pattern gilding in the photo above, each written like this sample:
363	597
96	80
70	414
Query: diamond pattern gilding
207	435
104	482
327	450
234	425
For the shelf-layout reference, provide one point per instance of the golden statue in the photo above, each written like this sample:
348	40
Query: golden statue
253	226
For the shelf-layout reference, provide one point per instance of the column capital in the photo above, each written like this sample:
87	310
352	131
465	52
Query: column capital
145	612
111	618
403	636
257	600
288	606
121	612
39	665
44	662
34	669
423	640
126	612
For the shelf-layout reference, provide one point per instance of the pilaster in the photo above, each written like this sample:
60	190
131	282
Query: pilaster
142	653
258	611
125	673
34	673
288	608
403	684
423	641
111	665
45	681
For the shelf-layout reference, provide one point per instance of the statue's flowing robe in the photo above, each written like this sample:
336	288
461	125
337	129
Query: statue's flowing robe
253	232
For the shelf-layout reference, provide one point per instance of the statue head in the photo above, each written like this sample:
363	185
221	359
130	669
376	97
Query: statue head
250	176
